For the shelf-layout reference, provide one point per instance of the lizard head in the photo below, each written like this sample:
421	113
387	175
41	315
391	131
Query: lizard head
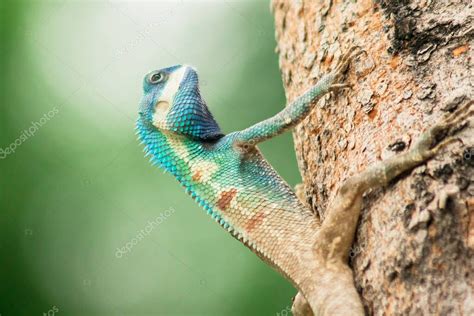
172	103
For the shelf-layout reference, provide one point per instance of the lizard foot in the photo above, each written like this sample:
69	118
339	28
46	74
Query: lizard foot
441	134
341	67
345	60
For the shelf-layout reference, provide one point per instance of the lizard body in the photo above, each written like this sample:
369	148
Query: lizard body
229	177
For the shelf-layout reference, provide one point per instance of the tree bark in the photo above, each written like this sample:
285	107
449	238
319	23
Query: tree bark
414	245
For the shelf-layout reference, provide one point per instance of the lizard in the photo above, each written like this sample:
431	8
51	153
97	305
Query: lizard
228	176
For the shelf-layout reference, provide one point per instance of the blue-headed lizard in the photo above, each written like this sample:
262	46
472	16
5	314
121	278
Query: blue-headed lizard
228	176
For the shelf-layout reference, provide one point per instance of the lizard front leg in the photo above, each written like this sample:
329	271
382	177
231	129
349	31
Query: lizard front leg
296	111
333	291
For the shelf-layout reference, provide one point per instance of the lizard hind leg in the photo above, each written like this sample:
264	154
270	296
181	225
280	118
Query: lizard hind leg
343	212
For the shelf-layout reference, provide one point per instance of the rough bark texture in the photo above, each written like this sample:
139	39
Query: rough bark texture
415	242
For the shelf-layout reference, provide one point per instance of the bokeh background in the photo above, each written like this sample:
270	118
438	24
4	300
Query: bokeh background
79	188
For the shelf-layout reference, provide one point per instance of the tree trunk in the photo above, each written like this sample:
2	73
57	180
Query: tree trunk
414	246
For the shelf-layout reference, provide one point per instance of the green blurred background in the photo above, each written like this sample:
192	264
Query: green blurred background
79	188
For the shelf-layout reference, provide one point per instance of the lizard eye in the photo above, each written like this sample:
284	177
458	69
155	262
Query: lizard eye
157	77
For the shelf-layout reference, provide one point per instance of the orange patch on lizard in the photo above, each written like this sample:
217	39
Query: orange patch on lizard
225	198
255	221
197	175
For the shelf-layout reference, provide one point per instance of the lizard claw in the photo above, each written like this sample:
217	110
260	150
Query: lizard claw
342	65
345	60
339	86
432	141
